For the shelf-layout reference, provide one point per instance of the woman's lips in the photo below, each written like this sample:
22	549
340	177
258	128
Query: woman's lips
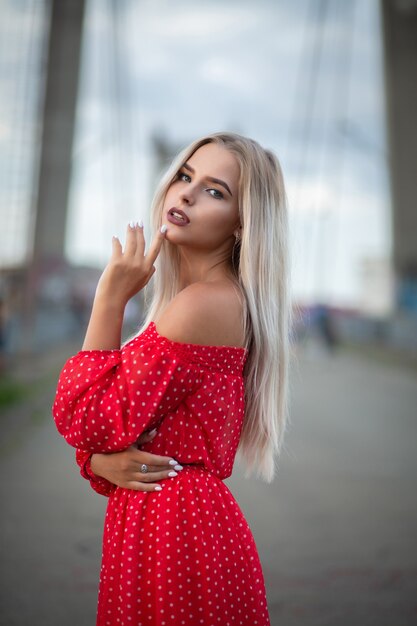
180	221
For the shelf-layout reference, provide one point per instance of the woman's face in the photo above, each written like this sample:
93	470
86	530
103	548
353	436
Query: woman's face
206	190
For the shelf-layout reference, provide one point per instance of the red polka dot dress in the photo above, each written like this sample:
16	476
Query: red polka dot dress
183	556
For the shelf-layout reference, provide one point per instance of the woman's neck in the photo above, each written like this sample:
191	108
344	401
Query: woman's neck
194	269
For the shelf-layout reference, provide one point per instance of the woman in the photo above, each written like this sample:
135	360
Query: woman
207	372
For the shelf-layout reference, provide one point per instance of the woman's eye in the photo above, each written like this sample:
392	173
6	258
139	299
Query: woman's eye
217	194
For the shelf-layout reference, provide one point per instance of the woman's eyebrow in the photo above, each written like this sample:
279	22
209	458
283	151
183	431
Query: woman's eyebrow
210	178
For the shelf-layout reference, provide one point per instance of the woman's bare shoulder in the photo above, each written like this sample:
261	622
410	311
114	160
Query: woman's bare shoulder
206	313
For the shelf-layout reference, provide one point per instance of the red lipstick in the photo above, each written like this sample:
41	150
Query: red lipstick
176	216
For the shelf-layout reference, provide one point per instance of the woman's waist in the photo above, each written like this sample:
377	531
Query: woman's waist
191	474
199	467
199	459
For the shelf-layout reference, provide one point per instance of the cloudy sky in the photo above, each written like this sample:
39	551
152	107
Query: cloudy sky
303	77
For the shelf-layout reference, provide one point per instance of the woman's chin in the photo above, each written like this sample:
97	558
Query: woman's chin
173	236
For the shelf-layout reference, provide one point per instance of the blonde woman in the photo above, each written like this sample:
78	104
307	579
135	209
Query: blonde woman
207	373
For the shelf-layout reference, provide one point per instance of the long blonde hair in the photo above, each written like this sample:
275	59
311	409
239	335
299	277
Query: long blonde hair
260	264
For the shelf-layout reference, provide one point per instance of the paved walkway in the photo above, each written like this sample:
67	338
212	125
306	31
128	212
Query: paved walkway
336	530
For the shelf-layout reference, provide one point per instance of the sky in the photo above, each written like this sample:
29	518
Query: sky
302	77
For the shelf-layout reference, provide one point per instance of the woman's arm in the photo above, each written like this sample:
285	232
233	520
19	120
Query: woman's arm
107	396
124	468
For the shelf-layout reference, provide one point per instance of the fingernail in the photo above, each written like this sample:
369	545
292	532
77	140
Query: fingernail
173	462
178	467
140	223
158	488
132	224
164	228
172	474
152	432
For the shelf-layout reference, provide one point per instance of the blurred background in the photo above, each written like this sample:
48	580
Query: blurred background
97	96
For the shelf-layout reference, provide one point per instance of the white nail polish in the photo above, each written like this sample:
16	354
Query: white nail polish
172	462
158	488
132	224
140	223
178	467
172	474
164	228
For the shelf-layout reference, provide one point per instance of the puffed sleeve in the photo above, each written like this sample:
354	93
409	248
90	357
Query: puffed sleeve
105	399
101	485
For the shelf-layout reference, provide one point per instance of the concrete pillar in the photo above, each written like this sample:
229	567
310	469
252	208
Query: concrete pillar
58	129
47	267
400	61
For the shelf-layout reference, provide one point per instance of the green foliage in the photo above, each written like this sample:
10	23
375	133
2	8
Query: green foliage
11	392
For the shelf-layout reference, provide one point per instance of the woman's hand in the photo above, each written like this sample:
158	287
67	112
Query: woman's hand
129	270
123	468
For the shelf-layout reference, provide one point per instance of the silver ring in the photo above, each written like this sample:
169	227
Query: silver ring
144	468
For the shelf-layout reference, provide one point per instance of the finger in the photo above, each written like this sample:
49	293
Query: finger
145	437
130	247
154	459
116	247
140	241
152	471
151	476
155	248
139	486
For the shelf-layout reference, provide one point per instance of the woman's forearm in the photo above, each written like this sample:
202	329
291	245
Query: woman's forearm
95	464
104	330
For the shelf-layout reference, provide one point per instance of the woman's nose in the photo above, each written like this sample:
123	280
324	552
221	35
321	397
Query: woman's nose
187	195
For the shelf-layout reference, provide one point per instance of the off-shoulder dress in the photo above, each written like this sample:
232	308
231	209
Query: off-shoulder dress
183	556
